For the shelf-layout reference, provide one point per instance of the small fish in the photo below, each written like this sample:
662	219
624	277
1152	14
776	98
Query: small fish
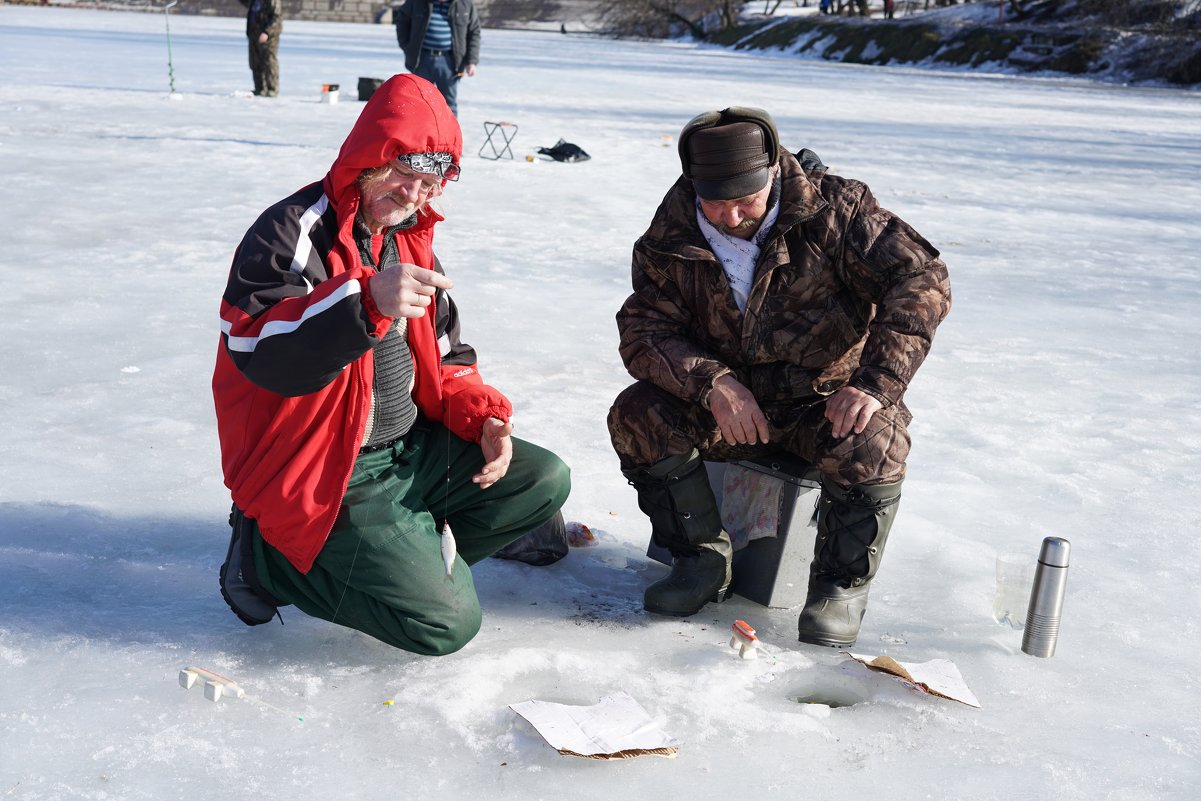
448	548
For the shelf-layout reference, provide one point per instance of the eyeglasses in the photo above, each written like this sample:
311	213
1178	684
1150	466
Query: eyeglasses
439	164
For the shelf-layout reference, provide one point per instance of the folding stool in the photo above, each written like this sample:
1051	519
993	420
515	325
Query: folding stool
504	133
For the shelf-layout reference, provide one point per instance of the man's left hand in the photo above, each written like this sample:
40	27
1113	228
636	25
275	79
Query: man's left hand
469	70
850	409
497	445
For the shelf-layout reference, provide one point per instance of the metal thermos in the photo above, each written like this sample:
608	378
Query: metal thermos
1046	598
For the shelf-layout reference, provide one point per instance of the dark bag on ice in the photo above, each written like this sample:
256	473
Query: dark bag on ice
544	545
565	151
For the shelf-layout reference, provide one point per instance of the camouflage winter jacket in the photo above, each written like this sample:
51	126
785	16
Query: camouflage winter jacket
844	291
263	16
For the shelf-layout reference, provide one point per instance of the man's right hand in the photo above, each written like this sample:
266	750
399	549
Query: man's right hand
737	413
406	290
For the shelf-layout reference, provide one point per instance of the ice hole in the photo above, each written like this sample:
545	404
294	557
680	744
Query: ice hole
832	687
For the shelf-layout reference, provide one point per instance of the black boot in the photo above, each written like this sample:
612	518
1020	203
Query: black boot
239	582
676	495
852	527
544	545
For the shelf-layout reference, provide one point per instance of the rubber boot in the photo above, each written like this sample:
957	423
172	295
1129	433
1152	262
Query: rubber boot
695	579
852	527
238	579
676	495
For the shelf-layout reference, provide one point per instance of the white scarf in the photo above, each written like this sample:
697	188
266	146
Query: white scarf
738	257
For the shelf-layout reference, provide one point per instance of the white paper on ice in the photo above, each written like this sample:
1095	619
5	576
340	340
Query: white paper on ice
937	677
614	728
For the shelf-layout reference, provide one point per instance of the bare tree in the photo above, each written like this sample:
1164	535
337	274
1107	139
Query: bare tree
662	18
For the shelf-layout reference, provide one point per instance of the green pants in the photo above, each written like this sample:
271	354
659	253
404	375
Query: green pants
382	571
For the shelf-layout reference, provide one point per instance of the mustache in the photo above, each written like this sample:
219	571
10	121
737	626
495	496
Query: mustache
746	224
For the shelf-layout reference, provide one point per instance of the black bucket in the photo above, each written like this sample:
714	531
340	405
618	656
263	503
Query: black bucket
367	87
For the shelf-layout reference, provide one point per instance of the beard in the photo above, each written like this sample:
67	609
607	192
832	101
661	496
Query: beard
744	229
397	210
387	211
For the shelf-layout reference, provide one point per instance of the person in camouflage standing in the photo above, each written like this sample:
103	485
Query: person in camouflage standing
776	307
264	23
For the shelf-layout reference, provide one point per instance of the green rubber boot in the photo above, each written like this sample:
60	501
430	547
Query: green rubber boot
676	496
852	527
695	580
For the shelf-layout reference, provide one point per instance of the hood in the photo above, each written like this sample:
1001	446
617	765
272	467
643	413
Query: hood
406	114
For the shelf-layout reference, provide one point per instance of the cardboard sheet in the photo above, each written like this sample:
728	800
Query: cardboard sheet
937	677
615	728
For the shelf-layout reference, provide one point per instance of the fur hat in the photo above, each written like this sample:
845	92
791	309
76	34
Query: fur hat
729	153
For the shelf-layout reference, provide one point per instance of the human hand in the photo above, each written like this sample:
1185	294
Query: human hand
263	38
406	289
469	71
850	409
497	445
737	412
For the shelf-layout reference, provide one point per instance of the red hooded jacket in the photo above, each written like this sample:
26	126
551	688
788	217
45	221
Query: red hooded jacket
292	383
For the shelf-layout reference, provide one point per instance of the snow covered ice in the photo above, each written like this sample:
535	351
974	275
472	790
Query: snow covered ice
1060	399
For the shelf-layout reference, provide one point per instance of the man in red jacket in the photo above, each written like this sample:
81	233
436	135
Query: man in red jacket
352	419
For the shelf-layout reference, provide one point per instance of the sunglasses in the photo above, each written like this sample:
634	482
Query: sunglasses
439	164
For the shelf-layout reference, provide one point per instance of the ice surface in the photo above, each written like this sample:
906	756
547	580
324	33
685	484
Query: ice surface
1061	398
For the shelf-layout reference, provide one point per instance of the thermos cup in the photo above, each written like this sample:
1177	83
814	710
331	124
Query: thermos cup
1046	598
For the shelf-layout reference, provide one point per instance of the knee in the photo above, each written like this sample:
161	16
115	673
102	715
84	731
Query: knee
647	424
877	456
454	639
557	480
633	412
628	407
444	635
545	479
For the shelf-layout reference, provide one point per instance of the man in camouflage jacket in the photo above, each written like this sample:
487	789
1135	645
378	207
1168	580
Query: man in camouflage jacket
264	24
776	307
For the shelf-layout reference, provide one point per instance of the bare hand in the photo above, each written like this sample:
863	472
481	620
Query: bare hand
406	290
737	412
850	409
263	38
469	71
497	445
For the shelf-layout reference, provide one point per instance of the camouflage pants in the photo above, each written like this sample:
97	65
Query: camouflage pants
264	65
648	424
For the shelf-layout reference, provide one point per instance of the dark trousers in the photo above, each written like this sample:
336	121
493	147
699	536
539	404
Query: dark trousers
648	424
440	71
382	571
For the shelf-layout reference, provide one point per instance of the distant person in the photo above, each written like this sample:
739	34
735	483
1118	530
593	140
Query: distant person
441	42
776	307
890	8
352	418
264	23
